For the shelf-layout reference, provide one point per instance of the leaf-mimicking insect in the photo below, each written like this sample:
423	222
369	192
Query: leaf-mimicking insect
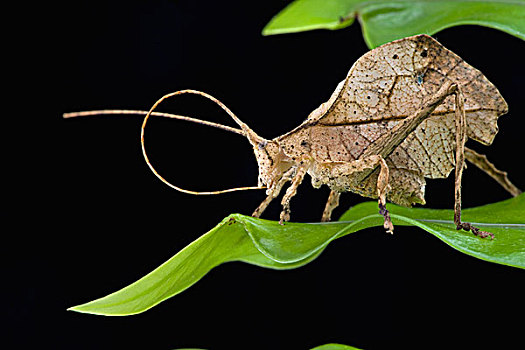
402	114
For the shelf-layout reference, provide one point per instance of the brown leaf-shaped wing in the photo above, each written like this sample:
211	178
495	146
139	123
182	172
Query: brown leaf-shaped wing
385	86
393	81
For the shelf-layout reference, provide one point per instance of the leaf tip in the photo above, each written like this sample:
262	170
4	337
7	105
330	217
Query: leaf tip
266	31
88	308
77	308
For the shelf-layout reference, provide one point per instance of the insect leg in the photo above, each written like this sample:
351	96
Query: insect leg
382	188
273	193
331	204
461	136
481	161
290	192
352	172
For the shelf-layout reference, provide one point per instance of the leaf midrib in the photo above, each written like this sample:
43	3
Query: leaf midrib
435	221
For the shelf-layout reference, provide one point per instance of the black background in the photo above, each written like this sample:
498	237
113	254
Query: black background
91	218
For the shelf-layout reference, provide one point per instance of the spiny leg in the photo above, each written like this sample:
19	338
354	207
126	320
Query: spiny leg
386	144
461	136
273	193
290	192
481	161
331	204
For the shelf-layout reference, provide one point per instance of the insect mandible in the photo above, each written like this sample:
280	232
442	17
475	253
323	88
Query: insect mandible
402	114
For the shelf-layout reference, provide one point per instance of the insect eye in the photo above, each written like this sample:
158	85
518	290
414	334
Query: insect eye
262	144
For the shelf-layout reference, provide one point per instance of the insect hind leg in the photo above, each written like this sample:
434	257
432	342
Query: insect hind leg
481	161
461	137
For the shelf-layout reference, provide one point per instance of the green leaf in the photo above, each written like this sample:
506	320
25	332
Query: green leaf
267	244
386	20
334	347
505	219
228	241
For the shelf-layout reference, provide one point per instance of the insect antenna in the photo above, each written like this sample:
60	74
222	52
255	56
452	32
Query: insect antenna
157	114
245	131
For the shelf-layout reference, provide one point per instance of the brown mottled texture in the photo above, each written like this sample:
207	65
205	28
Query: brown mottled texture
405	110
382	89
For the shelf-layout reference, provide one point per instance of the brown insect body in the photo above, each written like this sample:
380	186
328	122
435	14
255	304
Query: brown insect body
402	114
339	143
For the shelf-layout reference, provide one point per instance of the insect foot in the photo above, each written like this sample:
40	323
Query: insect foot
476	231
389	227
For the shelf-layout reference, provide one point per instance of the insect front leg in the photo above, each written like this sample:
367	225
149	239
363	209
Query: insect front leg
331	204
461	136
291	191
273	193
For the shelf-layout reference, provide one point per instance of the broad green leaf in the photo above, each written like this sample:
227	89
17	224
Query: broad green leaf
505	219
228	241
385	20
267	244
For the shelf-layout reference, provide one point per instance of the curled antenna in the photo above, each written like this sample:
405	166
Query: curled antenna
226	109
245	131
